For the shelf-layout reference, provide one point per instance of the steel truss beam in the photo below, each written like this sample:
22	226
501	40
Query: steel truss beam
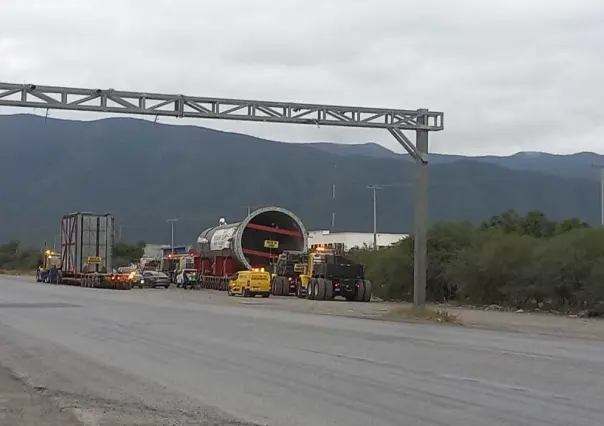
422	121
114	101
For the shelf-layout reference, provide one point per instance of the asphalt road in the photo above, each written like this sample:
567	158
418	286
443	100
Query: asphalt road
220	363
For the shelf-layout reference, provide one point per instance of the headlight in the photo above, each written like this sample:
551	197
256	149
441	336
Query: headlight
142	281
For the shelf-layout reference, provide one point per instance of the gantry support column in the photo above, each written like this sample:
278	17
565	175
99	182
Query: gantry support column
420	266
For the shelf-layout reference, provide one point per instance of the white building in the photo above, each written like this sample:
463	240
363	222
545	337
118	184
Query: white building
353	239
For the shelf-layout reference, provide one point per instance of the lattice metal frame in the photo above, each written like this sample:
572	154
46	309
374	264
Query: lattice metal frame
422	121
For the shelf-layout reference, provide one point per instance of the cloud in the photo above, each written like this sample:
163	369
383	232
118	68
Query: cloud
509	74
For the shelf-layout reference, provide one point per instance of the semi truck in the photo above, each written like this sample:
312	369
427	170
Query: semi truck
49	259
326	273
254	243
86	252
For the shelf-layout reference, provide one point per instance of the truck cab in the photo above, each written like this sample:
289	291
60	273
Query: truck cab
250	283
327	274
49	259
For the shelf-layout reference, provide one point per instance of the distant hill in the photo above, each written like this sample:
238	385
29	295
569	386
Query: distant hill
144	174
363	149
573	165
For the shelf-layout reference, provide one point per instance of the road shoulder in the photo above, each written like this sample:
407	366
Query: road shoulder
23	405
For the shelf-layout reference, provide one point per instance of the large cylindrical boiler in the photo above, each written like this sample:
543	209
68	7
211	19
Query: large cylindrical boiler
246	241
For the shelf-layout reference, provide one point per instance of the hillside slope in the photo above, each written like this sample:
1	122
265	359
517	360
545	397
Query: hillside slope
144	174
572	165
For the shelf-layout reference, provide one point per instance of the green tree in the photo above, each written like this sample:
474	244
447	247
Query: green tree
126	254
15	258
509	260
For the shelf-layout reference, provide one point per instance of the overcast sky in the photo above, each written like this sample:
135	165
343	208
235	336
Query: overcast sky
510	75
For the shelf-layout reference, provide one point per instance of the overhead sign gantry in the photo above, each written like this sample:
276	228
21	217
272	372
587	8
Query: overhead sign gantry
421	121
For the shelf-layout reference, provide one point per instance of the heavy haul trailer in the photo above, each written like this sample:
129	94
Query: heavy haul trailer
254	243
329	274
86	252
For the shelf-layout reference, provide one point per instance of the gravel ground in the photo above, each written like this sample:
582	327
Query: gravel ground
526	322
154	357
22	405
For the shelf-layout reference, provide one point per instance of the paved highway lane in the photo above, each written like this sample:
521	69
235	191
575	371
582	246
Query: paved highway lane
282	368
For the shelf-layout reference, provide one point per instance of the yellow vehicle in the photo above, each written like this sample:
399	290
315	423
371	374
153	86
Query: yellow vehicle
49	259
250	283
327	274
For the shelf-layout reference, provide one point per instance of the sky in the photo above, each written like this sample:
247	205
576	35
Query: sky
509	75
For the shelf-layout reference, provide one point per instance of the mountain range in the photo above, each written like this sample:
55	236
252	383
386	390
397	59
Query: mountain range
145	173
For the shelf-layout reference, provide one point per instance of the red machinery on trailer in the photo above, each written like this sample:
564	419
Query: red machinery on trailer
253	243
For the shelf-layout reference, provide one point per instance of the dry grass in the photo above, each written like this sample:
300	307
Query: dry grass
411	313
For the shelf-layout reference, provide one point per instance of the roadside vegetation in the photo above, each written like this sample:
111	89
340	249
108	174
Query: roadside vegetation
509	261
15	258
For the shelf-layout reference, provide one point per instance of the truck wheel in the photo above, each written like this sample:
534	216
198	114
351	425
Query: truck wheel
320	289
358	297
367	292
328	289
299	290
277	284
310	289
284	286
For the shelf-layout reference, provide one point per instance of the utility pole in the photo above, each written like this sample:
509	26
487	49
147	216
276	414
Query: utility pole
420	265
333	201
601	167
333	198
171	221
375	188
121	232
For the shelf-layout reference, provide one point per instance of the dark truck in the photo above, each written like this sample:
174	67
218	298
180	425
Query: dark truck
330	274
287	270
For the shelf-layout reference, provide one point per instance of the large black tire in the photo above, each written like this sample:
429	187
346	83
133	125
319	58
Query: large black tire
328	290
277	286
320	290
285	287
367	291
360	291
310	289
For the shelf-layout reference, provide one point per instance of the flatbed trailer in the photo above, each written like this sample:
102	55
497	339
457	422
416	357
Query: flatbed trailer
213	283
97	280
86	252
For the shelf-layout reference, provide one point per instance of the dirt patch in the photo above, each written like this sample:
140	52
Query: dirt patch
21	405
